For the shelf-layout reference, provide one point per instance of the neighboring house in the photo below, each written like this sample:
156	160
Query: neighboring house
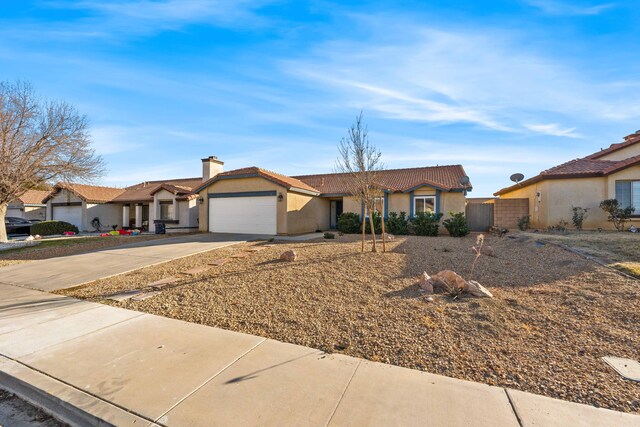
30	205
611	173
254	200
480	200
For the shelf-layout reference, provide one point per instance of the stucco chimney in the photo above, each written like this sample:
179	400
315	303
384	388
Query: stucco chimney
211	166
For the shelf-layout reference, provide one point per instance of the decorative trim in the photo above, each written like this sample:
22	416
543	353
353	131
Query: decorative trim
303	191
66	204
333	195
242	194
386	205
411	209
437	201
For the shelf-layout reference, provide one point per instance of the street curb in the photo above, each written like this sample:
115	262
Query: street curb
63	402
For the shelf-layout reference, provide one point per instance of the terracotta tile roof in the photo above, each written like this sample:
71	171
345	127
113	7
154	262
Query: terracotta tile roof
283	180
446	178
589	166
143	191
33	197
88	193
629	140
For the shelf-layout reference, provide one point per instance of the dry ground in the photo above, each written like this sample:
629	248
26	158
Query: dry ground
619	250
50	248
553	316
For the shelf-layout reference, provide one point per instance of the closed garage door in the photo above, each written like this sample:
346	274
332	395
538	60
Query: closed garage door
251	215
70	214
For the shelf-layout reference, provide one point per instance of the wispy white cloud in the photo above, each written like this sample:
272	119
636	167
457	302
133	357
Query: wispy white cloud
553	129
485	77
553	7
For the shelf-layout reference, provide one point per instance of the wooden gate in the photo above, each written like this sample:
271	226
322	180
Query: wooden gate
479	216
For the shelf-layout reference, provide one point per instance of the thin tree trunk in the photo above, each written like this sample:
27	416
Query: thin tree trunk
363	227
384	240
3	228
373	234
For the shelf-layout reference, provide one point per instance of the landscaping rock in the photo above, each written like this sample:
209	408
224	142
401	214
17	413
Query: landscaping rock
484	250
240	255
289	256
219	262
451	282
448	281
389	237
477	290
426	283
195	271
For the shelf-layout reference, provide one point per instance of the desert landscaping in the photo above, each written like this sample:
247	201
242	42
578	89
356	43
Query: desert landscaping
552	317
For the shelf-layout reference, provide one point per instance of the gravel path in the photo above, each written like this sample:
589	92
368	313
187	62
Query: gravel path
553	316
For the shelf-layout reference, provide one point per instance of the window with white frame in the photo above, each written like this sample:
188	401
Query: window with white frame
628	194
424	204
166	210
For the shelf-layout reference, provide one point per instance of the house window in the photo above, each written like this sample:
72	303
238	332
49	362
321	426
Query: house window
424	204
166	210
628	194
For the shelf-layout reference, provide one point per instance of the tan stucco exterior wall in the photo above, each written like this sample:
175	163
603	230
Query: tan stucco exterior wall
624	153
558	196
240	185
306	214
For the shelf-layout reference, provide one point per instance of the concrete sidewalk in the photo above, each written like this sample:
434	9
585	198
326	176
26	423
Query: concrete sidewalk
66	272
90	362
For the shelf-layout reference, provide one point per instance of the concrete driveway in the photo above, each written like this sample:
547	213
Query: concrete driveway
66	272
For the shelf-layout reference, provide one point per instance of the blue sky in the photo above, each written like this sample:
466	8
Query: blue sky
498	86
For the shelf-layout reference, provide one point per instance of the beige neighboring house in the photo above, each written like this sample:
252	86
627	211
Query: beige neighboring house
611	173
254	200
30	205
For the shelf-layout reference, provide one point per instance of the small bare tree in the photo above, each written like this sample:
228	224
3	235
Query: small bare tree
360	163
40	142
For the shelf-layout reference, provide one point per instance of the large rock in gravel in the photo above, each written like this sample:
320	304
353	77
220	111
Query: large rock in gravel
484	250
451	282
477	290
389	237
289	256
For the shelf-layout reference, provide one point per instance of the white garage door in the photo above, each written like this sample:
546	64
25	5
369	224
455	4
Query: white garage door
252	215
70	214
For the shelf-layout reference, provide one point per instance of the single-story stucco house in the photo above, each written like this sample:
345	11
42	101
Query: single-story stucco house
253	200
611	173
30	205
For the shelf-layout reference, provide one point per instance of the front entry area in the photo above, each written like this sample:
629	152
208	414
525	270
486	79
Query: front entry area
335	212
254	213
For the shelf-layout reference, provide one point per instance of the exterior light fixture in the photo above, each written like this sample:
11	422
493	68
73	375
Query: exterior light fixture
280	197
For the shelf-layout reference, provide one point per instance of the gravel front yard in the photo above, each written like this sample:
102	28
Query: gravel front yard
553	316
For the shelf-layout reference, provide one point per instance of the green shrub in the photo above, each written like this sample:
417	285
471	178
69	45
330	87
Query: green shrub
617	215
426	224
524	223
329	236
377	224
456	225
579	215
47	228
349	223
397	224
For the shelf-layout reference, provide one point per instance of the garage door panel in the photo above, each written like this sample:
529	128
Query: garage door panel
70	214
243	215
